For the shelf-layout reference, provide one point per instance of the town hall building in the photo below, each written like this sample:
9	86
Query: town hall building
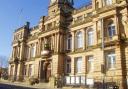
85	47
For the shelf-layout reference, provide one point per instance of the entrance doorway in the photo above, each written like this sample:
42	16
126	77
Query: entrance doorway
45	71
48	71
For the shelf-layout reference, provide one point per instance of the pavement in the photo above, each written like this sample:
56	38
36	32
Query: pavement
5	84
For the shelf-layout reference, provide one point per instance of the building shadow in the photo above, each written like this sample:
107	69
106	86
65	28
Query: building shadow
7	86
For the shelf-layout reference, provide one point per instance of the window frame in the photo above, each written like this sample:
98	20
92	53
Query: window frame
111	29
90	61
78	68
33	50
69	38
79	40
90	37
111	61
68	68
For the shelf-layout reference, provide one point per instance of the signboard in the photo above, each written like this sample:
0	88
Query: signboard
90	81
77	80
67	80
72	80
83	81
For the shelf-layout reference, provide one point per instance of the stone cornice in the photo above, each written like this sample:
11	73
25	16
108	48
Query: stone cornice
78	23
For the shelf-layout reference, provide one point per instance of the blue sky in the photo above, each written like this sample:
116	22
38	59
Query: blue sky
14	13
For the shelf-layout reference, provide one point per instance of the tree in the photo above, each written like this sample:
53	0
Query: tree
3	62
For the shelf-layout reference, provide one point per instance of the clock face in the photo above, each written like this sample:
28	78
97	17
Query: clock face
52	1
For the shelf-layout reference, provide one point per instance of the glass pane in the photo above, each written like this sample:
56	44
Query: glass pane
79	65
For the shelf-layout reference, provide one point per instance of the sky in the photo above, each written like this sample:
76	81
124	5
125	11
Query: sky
14	14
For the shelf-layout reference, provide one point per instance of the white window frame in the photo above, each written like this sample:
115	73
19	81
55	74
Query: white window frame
111	60
90	64
90	37
79	40
33	50
78	65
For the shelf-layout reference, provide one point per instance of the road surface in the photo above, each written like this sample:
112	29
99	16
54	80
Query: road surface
7	86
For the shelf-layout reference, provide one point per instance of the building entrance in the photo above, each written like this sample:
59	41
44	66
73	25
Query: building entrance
45	71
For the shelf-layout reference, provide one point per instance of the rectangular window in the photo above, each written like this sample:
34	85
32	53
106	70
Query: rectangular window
111	30
90	38
78	65
33	50
68	66
69	43
30	69
110	60
90	64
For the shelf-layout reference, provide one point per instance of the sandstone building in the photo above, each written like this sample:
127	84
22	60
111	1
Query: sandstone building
82	46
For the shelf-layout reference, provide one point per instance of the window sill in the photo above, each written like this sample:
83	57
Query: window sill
110	69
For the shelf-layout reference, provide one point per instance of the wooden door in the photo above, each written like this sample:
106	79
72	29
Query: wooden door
48	73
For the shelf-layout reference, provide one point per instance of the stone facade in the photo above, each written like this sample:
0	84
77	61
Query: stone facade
87	44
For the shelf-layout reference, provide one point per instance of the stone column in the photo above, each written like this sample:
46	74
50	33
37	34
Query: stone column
36	49
73	41
57	42
20	71
15	72
72	66
120	71
95	31
39	46
18	54
61	43
53	42
29	53
13	52
22	51
116	22
84	39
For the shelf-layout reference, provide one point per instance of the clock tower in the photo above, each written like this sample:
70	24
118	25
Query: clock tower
56	5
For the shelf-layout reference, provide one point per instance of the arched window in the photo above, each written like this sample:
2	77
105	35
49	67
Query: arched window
90	37
79	40
111	29
108	2
69	42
